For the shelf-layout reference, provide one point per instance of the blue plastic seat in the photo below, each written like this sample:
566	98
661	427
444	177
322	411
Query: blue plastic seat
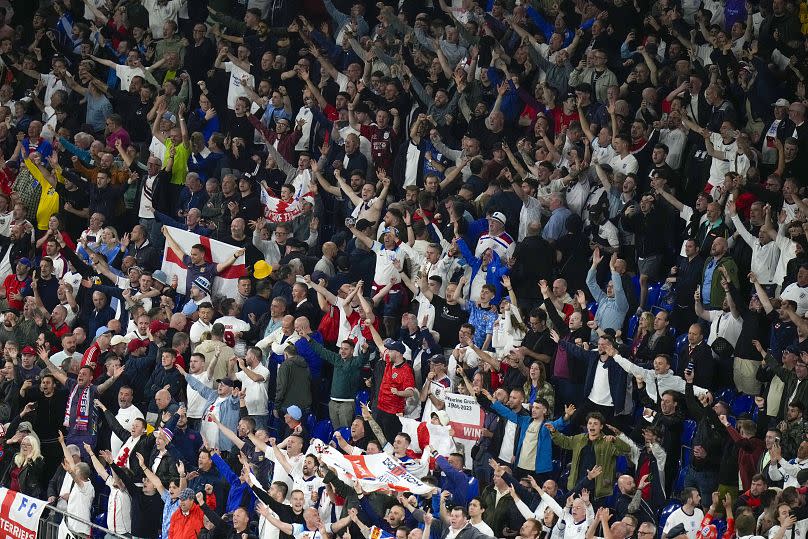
678	485
310	422
323	430
742	405
667	511
344	431
687	456
636	282
652	297
473	488
681	343
633	323
592	307
726	395
621	465
688	431
363	397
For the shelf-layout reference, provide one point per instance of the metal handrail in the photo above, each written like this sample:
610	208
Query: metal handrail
84	521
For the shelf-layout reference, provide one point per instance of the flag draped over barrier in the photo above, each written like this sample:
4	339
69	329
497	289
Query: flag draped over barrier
374	472
19	514
226	284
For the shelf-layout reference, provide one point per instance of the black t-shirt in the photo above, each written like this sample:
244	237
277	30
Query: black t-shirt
448	319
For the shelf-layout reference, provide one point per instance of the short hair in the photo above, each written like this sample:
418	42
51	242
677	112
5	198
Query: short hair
687	493
745	525
282	487
796	404
596	415
405	436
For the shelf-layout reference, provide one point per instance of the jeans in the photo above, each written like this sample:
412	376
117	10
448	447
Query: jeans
705	481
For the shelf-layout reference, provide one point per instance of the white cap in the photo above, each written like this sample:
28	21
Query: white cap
782	102
499	216
118	339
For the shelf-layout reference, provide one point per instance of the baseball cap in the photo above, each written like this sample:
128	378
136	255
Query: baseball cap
25	262
119	339
103	329
398	346
134	344
439	358
499	216
158	325
295	412
29	350
262	270
202	283
308	199
160	276
228	382
782	102
186	494
170	116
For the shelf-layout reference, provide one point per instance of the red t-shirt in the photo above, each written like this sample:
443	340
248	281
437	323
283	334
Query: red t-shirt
13	286
92	357
561	120
400	378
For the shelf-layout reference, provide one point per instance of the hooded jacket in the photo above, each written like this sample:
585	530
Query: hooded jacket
293	386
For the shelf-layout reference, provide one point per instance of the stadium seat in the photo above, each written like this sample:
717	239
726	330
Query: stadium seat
652	298
323	430
636	282
678	485
680	343
310	421
344	431
592	307
473	489
726	395
621	466
667	511
687	456
742	405
688	430
363	397
674	362
633	323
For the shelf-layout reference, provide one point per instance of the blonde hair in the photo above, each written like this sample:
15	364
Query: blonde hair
36	452
112	231
649	320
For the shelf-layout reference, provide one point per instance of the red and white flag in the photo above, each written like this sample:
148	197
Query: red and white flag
423	433
277	210
19	514
225	284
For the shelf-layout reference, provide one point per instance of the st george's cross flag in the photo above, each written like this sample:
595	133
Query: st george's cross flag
225	284
276	210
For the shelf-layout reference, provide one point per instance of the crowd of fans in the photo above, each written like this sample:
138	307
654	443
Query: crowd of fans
586	214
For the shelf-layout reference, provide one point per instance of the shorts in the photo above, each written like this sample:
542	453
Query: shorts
650	266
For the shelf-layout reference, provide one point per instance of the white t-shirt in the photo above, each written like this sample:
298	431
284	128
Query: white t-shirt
236	90
279	474
719	167
126	74
78	504
195	407
690	522
624	165
798	294
146	210
385	270
125	417
255	393
197	329
209	429
724	325
233	324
